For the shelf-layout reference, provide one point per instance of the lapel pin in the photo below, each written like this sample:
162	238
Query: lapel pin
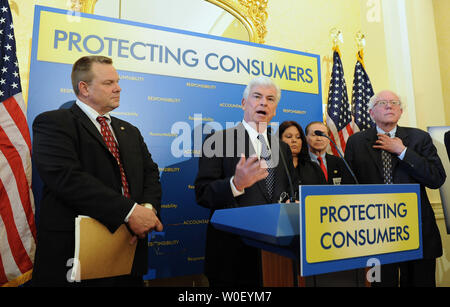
122	128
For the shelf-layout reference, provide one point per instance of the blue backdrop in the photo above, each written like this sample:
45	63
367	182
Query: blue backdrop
166	110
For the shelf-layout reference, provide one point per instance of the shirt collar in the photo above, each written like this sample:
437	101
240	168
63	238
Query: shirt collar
252	133
90	112
391	133
314	156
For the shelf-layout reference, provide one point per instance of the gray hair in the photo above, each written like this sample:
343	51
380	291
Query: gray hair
374	99
262	81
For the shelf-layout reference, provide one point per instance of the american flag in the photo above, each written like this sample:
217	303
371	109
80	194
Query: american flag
17	226
362	92
339	117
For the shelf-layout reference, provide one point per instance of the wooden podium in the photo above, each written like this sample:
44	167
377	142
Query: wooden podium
274	229
280	271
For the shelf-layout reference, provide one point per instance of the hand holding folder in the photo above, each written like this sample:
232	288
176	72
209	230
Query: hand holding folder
100	253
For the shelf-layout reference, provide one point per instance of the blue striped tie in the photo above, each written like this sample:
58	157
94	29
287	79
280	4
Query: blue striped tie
265	154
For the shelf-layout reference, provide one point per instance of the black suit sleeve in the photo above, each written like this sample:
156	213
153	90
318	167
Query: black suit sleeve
212	184
152	191
423	163
211	189
447	143
349	156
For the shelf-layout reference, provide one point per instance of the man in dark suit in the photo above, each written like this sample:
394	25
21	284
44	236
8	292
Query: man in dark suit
447	143
96	165
413	159
333	167
233	172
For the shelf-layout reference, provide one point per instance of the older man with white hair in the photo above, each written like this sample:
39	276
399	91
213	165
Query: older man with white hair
239	167
392	154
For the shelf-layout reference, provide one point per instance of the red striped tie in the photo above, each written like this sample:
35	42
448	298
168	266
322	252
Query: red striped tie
322	166
113	148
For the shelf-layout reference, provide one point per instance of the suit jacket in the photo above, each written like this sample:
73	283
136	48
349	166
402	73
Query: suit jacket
336	169
81	177
421	164
228	259
447	143
309	172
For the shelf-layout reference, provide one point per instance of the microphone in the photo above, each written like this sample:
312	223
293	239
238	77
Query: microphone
320	133
291	186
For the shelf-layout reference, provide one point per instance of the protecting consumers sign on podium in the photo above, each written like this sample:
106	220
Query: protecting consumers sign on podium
349	226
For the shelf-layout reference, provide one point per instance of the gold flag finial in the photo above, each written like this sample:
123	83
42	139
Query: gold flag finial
360	39
336	36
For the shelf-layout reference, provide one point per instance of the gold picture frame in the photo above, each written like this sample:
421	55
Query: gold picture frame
251	13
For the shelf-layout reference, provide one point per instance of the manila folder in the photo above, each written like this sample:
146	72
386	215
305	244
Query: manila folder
99	252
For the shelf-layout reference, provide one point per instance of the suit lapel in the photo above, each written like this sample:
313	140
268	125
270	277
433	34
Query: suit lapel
403	135
279	175
124	140
279	170
121	137
88	125
331	168
375	153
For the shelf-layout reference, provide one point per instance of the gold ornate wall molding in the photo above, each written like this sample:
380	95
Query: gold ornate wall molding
83	6
251	13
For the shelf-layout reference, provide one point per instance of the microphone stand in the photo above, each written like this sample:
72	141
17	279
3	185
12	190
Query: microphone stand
320	133
292	196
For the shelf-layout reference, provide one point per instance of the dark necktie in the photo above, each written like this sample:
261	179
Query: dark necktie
322	166
265	154
386	159
114	149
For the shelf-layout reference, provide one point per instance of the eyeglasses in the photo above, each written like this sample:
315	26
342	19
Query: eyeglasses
384	103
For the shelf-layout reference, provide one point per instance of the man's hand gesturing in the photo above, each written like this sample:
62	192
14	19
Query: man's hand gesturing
249	171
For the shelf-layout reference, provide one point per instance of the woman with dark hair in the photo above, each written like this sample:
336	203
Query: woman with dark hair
308	172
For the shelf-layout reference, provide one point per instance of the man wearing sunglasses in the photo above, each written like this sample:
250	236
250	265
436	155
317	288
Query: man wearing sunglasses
392	154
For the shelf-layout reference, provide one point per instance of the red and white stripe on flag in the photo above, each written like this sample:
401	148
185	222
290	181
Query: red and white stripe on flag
340	137
17	226
339	116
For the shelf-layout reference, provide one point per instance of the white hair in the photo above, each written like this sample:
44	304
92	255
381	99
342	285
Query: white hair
375	98
262	81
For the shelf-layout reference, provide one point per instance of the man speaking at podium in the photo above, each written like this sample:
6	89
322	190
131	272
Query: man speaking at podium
392	154
242	166
96	165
